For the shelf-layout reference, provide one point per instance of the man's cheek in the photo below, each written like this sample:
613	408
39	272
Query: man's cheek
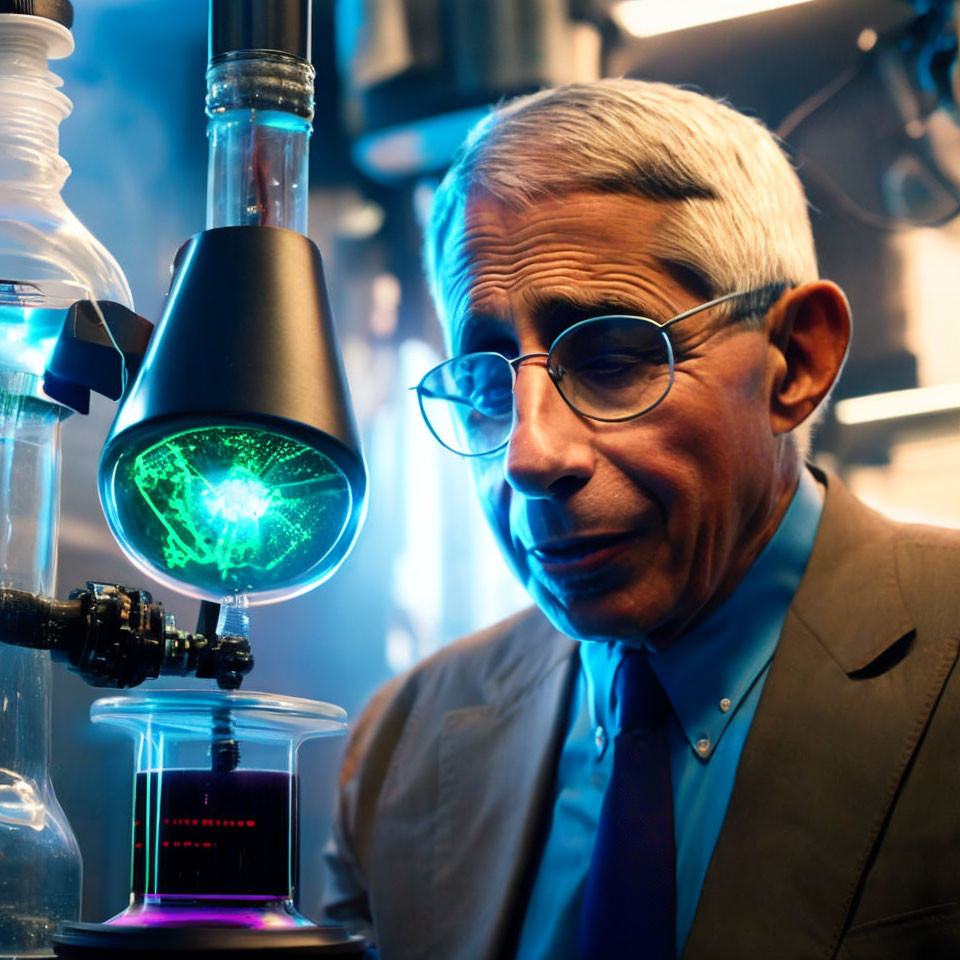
491	487
494	494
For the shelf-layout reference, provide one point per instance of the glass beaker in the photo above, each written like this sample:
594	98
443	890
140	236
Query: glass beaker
214	836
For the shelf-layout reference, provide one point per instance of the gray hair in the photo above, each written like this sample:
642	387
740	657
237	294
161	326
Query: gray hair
740	215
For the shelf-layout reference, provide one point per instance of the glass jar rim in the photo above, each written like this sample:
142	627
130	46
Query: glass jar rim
192	714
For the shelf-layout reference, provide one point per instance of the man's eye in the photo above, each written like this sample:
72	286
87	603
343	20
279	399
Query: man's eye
622	363
611	363
493	401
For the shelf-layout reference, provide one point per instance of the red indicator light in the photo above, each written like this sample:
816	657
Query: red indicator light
251	823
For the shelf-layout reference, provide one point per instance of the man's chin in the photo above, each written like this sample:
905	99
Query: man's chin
602	616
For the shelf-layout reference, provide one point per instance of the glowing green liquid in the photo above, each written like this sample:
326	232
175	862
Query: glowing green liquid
230	509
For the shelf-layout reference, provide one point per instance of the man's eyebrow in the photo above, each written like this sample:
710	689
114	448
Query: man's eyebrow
554	313
471	322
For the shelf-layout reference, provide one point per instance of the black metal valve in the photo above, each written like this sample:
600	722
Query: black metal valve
115	636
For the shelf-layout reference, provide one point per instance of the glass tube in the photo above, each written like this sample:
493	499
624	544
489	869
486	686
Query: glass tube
260	110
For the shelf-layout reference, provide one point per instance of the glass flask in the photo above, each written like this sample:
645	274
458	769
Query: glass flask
48	261
214	838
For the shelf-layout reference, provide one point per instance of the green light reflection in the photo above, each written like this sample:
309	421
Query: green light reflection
231	509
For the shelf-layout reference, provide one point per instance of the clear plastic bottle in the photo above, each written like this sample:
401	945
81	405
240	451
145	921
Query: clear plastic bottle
48	260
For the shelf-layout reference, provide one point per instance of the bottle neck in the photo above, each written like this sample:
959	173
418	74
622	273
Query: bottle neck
31	105
260	110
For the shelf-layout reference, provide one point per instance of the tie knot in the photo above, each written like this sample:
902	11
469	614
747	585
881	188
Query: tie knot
644	704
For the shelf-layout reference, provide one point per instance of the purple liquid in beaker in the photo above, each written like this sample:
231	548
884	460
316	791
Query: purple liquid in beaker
214	835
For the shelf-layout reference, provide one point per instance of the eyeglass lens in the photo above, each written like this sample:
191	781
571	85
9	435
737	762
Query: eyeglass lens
613	367
468	402
609	368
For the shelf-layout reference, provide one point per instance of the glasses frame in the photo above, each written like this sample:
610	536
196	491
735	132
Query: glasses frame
771	292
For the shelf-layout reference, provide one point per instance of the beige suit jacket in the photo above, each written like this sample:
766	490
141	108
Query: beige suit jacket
842	837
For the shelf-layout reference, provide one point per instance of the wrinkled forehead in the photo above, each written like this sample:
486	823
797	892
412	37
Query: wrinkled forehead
560	249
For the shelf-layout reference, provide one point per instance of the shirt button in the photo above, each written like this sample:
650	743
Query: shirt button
703	746
725	704
600	740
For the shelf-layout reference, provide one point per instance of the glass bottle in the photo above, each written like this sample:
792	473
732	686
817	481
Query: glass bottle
48	260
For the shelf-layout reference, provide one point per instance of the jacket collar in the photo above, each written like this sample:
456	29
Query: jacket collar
496	766
535	650
854	558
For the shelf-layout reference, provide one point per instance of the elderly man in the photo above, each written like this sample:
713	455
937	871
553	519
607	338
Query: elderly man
727	731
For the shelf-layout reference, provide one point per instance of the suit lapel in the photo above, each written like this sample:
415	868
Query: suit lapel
845	703
497	764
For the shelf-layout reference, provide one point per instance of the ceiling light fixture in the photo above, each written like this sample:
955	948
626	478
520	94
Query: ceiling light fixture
647	18
898	404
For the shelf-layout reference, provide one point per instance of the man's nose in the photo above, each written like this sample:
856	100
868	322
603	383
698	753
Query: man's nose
550	453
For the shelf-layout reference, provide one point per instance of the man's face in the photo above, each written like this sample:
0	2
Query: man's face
616	529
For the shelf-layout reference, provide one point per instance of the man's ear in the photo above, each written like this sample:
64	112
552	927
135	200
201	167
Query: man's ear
809	329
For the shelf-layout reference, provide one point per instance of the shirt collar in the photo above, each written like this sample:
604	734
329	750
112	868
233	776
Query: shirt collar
710	669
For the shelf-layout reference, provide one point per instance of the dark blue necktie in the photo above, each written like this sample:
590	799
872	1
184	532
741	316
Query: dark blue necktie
629	900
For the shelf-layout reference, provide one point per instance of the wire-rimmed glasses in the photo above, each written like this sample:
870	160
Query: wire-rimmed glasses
611	368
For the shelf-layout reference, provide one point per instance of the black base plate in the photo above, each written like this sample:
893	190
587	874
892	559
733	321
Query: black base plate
86	941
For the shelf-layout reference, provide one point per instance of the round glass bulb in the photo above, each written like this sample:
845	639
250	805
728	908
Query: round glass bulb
216	511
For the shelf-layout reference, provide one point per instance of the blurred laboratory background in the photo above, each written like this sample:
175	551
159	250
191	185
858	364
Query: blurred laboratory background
860	91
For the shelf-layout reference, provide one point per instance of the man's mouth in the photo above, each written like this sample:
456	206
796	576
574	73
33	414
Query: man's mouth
580	552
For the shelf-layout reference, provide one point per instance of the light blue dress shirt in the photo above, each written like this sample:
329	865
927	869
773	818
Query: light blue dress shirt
713	675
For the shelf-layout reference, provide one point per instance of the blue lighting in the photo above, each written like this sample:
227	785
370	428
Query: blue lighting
274	119
28	336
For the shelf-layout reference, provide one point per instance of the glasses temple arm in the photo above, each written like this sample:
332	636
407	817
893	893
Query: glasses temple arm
767	295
